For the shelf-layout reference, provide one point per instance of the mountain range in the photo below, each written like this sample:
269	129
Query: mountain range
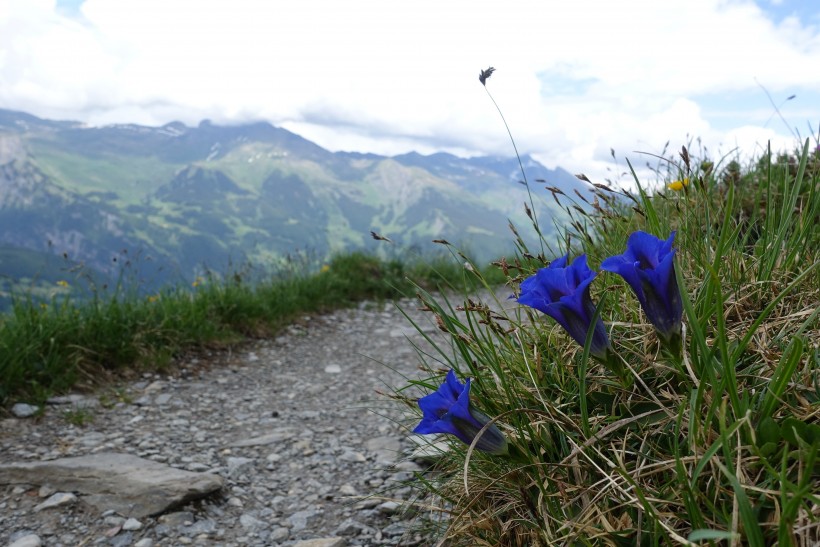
174	201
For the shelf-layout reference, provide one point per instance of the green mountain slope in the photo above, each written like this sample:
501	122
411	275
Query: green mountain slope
187	198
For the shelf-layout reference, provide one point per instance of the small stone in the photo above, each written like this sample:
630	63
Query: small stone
24	410
412	467
196	467
122	540
351	456
46	490
75	400
395	529
60	498
279	534
367	503
180	518
276	436
249	522
204	526
114	520
154	386
235	502
30	540
333	369
350	527
386	449
163	399
431	452
145	542
132	524
65	399
388	507
321	542
92	439
302	519
238	466
348	490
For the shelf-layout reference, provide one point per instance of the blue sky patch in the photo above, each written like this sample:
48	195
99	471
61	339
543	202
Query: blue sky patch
751	106
69	7
807	11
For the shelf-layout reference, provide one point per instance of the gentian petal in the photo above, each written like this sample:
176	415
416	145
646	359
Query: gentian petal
562	292
559	262
644	249
647	265
448	410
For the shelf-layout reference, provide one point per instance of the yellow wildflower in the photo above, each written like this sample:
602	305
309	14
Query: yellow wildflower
62	283
153	298
678	185
197	282
325	268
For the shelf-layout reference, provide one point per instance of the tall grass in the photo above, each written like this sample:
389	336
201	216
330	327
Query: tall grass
50	347
717	445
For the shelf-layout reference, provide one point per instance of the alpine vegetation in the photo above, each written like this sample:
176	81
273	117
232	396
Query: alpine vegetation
675	402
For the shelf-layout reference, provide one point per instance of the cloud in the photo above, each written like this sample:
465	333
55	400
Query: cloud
574	79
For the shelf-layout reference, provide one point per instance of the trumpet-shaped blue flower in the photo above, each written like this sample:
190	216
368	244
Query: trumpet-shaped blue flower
448	410
562	292
648	267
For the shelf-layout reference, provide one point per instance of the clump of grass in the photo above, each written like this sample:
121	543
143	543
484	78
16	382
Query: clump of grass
51	347
79	417
717	444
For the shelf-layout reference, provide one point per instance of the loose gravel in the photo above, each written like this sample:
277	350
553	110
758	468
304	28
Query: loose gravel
307	448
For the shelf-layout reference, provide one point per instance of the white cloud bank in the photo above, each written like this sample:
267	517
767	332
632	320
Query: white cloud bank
574	80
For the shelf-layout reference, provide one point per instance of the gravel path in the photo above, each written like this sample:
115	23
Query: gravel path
331	448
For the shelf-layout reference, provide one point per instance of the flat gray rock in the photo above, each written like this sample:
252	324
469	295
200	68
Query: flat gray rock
132	486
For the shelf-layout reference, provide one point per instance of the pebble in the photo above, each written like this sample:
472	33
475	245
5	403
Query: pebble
24	410
131	525
389	507
251	523
55	500
285	422
321	542
30	540
279	534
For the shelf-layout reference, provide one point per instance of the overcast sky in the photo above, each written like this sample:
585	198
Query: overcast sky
574	78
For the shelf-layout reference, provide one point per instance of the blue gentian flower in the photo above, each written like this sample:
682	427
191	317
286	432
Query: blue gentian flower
448	410
648	267
562	292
